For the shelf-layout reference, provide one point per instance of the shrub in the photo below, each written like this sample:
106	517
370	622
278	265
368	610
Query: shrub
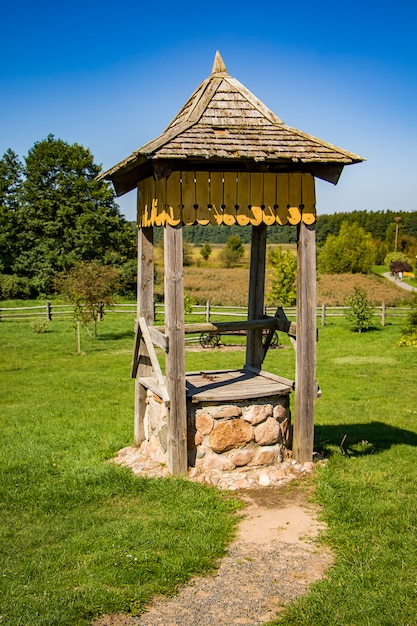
205	251
12	286
233	251
360	310
283	280
352	251
392	257
409	336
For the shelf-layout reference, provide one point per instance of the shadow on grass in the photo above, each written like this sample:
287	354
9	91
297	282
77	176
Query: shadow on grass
361	439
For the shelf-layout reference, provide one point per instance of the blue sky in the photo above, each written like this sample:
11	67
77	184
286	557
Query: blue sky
111	77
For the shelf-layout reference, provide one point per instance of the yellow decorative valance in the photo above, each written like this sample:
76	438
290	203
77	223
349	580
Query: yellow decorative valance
226	198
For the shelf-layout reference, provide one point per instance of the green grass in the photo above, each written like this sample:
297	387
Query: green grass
366	424
79	536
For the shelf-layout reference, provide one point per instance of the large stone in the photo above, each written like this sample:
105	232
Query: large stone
204	423
243	457
228	435
213	461
268	432
280	412
257	413
227	411
268	455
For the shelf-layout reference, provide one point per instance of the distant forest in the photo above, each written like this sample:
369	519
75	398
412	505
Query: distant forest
380	224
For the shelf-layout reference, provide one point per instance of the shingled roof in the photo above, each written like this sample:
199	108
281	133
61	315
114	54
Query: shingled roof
223	126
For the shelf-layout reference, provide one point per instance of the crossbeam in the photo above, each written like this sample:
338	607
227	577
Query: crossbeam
223	327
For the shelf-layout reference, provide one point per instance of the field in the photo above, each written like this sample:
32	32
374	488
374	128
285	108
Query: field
209	280
80	536
230	286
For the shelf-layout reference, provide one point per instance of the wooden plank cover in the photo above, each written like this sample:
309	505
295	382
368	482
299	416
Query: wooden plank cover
231	386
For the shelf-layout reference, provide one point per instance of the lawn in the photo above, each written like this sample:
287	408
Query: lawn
81	536
366	424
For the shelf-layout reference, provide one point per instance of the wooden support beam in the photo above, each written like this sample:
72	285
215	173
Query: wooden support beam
175	361
254	348
145	300
274	323
145	308
305	386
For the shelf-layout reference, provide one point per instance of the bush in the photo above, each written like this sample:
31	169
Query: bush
409	336
352	251
360	310
233	251
205	251
392	257
283	280
14	287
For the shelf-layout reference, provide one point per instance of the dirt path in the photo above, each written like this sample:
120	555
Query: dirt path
273	560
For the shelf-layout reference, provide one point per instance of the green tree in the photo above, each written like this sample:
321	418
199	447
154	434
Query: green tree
66	215
11	171
89	286
360	310
233	251
284	274
351	251
205	251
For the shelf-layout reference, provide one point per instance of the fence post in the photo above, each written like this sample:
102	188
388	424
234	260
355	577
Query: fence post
48	311
383	313
208	311
100	312
323	314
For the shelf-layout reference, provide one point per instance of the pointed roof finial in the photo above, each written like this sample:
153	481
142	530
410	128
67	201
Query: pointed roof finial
218	65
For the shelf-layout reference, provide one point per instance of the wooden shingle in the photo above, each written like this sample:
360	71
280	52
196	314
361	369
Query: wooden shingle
224	127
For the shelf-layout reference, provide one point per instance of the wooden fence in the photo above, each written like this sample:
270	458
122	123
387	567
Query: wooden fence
51	311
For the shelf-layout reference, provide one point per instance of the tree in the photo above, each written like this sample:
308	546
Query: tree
11	171
233	252
66	215
205	251
360	310
284	288
89	286
351	251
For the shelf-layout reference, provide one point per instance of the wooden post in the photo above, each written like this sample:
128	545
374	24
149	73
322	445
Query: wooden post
208	311
254	353
305	386
383	313
145	308
175	361
48	311
323	314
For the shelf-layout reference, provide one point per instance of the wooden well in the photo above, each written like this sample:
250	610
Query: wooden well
225	159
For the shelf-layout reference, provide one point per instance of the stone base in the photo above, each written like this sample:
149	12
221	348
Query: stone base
223	437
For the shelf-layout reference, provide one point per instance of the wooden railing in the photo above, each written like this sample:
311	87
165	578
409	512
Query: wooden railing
209	312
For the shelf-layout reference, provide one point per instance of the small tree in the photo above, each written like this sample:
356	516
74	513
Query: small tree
360	310
205	251
233	252
409	332
284	287
89	286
